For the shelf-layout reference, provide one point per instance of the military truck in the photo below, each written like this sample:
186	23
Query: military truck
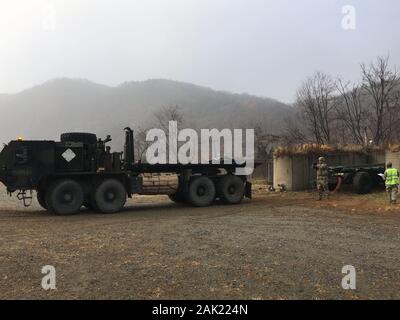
81	171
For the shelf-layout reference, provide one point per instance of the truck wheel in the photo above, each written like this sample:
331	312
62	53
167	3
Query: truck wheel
109	196
89	138
40	198
64	197
231	189
362	183
201	192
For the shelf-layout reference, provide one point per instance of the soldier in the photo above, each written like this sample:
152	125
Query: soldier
391	182
322	178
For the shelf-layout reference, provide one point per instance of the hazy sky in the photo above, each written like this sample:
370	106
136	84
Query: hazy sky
263	47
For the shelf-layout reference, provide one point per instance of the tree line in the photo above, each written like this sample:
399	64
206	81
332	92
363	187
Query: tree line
338	112
328	111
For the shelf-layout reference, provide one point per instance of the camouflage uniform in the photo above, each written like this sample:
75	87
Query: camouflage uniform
322	178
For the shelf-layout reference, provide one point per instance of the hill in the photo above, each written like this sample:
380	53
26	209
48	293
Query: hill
61	105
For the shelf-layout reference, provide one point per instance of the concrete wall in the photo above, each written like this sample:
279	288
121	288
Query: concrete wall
378	157
394	158
283	172
265	172
297	174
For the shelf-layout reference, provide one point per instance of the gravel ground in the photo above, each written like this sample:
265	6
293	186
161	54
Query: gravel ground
276	246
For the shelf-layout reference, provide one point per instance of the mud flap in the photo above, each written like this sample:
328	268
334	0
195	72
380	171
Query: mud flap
134	185
247	190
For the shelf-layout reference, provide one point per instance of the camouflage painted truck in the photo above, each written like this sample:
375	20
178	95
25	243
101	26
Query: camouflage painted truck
81	171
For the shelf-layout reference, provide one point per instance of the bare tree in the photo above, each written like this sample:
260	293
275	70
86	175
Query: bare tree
264	141
350	111
161	120
141	144
167	114
380	82
394	112
315	100
341	112
294	131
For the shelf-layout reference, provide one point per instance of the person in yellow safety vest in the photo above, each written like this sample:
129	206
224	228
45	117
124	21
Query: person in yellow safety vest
392	182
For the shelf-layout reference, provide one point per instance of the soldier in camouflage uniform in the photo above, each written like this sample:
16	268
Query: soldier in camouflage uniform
322	178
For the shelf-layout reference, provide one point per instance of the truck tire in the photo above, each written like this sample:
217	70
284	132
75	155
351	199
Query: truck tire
177	197
41	199
231	189
89	138
64	197
109	196
201	192
362	183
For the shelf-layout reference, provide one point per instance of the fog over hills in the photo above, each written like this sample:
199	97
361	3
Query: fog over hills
62	105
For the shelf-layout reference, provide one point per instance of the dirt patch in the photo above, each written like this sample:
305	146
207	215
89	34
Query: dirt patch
276	246
375	203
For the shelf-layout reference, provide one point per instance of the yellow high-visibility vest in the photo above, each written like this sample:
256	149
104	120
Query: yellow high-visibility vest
392	177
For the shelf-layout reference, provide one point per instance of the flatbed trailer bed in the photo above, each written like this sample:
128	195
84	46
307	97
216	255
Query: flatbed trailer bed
363	177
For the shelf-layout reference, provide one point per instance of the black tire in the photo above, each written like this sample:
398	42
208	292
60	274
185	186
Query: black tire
109	196
201	192
231	189
362	183
40	195
64	197
177	197
89	138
